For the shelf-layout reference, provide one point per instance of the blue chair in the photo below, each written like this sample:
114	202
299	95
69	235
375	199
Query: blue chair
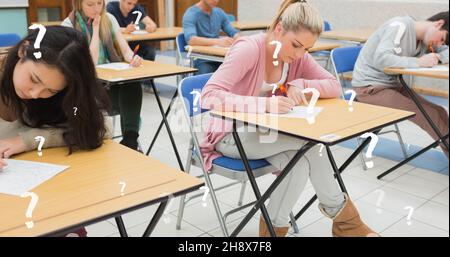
323	55
343	60
9	39
224	166
181	50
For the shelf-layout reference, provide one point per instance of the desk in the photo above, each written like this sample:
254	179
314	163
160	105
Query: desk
49	23
4	50
354	35
89	191
333	125
421	73
159	35
217	54
250	25
148	70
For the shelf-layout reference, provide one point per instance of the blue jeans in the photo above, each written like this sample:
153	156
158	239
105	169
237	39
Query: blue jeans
205	66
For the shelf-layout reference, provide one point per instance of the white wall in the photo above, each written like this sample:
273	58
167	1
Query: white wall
348	13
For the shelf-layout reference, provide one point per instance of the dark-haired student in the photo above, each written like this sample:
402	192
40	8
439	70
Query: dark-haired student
38	96
421	44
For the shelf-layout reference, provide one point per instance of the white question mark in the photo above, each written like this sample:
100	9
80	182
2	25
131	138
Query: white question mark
320	150
139	16
380	198
373	143
41	140
398	37
37	43
312	103
75	109
197	95
204	195
352	98
169	203
277	51
275	86
123	188
31	206
408	218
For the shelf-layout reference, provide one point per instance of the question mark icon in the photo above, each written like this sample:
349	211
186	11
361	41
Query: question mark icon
123	188
41	141
380	198
398	37
204	195
275	86
75	109
31	206
139	16
352	98
312	103
277	51
169	203
37	43
373	143
321	149
408	218
197	95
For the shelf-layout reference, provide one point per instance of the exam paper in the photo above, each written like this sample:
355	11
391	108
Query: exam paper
115	66
300	112
23	176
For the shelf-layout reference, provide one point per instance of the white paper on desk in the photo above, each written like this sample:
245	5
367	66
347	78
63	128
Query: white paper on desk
115	66
23	176
435	68
300	112
139	32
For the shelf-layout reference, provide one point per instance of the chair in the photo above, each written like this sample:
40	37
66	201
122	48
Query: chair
9	39
343	60
181	50
230	168
323	55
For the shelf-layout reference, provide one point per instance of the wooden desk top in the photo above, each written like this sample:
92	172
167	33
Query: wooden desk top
250	25
335	119
357	35
419	73
222	51
148	70
158	35
90	189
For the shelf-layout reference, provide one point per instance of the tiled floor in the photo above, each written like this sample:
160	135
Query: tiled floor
385	205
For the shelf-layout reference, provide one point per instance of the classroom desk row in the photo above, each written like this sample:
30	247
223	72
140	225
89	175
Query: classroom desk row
217	54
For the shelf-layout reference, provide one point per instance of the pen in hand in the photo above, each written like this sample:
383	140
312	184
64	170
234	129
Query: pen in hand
136	49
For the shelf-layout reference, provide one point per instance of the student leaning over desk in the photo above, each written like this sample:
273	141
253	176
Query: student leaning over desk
246	77
404	43
108	45
38	96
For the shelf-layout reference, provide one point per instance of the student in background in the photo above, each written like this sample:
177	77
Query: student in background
38	96
421	44
243	84
107	45
123	10
202	24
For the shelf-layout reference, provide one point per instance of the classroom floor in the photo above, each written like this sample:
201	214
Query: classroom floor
381	203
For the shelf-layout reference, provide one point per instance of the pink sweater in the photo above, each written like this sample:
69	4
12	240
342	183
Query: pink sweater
236	85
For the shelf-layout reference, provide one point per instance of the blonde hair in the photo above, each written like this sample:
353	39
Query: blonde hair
106	34
295	15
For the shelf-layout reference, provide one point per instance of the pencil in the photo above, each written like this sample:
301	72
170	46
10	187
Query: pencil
430	47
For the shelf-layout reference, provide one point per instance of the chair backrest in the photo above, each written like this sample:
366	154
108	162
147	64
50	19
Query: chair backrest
326	26
231	17
9	39
190	99
344	58
181	43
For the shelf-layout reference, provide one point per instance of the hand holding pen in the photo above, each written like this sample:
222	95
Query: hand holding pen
136	60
